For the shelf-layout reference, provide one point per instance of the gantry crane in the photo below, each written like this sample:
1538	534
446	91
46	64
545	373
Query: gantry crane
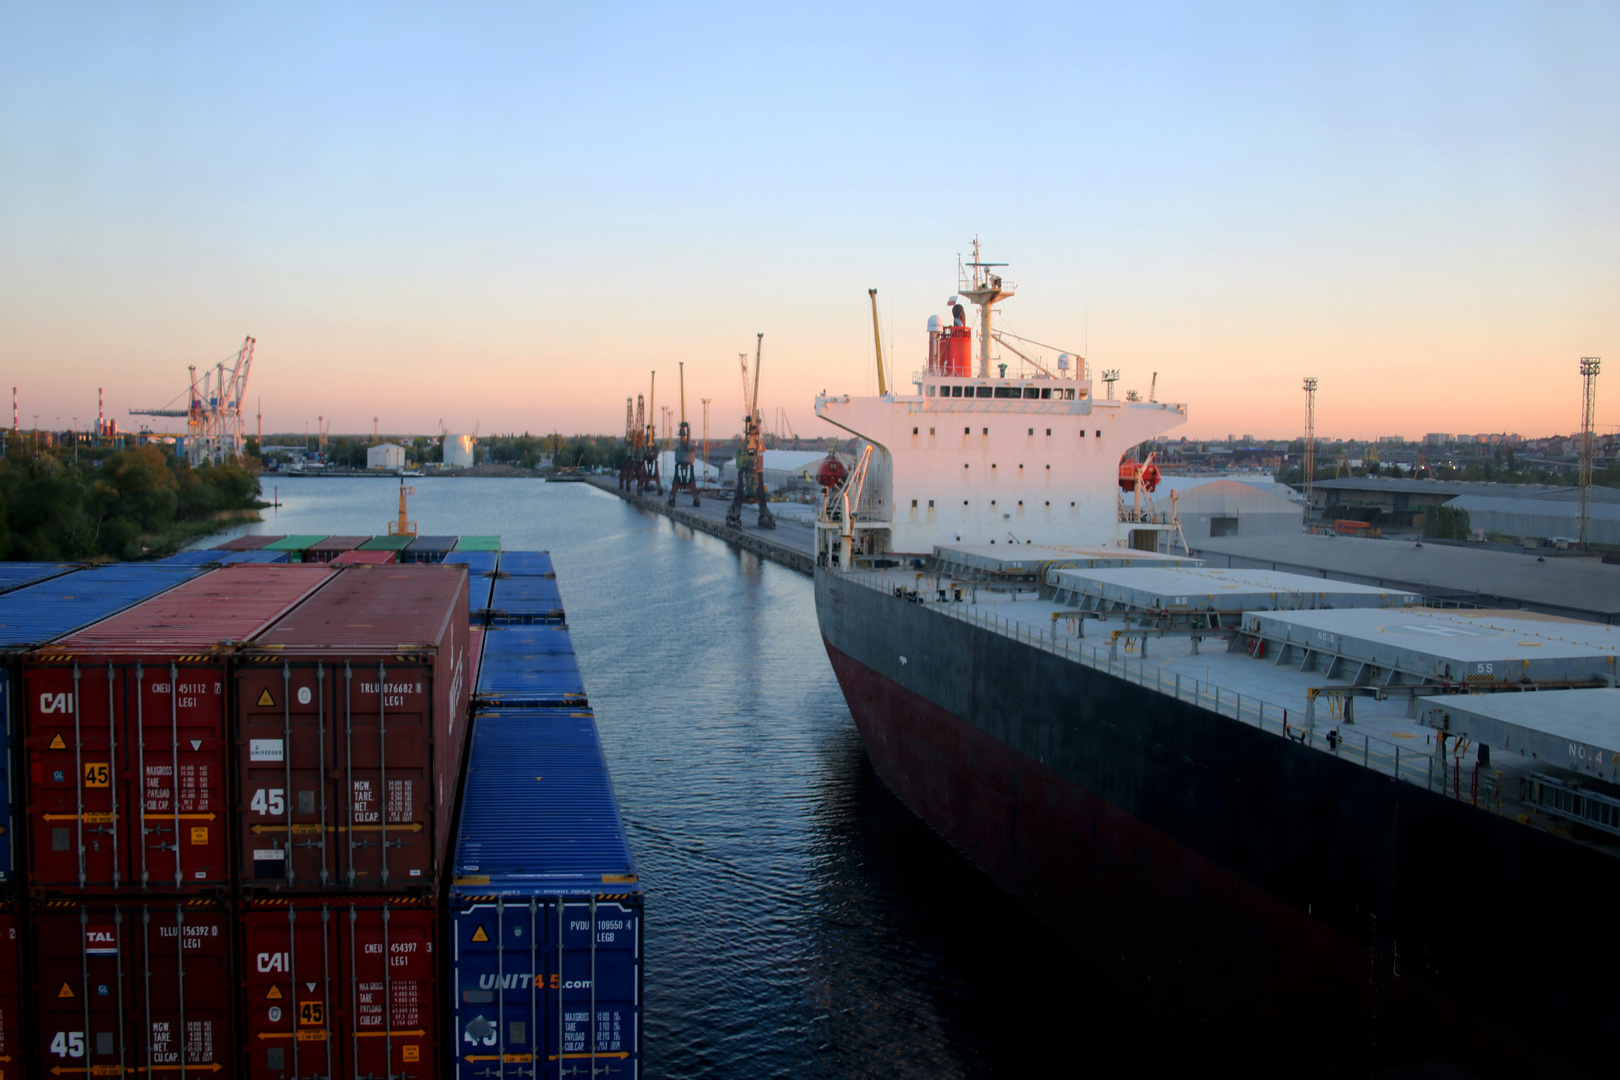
649	448
213	410
751	459
684	477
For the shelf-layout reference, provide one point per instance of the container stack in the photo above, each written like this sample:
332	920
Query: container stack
237	853
127	735
545	905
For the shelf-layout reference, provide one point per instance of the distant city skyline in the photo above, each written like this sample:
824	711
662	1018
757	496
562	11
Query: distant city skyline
504	218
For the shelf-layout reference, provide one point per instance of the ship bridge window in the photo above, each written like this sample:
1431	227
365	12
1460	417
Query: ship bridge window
1033	391
956	391
1006	391
983	391
1049	431
914	431
987	431
967	431
930	389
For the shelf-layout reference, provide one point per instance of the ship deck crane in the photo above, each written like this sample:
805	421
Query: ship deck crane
751	459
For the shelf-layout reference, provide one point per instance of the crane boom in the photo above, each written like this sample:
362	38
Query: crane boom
877	340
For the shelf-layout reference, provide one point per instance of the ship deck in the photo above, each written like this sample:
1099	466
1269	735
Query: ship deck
1386	735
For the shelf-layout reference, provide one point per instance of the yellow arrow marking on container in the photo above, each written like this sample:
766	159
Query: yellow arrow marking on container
479	935
265	698
57	743
509	1059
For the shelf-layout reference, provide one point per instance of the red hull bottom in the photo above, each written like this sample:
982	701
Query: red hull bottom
1190	937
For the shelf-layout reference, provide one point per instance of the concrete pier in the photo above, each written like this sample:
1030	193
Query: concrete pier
791	543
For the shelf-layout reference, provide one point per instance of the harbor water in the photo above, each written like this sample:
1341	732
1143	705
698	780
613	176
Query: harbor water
800	921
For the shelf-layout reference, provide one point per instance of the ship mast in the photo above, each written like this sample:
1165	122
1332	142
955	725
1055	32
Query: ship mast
987	291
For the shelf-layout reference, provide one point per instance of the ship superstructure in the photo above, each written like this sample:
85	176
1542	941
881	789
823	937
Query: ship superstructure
992	457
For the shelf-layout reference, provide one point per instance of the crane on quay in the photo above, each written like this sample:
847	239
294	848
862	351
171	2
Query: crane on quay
213	411
751	459
684	476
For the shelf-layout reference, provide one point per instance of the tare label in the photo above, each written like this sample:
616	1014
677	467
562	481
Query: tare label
265	750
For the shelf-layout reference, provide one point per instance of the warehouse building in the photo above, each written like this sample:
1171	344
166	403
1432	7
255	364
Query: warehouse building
385	456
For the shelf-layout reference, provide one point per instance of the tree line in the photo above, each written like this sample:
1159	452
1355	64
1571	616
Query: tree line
117	504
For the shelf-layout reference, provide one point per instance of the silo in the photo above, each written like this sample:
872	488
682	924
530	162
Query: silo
458	451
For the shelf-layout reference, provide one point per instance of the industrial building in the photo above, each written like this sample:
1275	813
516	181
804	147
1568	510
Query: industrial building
782	468
1543	514
458	451
385	456
1232	508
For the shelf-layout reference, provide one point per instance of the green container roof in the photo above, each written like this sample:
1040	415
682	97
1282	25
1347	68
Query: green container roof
387	543
479	543
295	543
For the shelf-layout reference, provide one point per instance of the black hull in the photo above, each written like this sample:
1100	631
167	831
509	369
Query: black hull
1232	876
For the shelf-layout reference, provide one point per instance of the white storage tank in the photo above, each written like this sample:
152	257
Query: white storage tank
458	451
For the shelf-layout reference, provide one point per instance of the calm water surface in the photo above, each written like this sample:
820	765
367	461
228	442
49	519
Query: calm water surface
800	921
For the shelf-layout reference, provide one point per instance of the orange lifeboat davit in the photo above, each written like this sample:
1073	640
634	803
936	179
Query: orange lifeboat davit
1133	472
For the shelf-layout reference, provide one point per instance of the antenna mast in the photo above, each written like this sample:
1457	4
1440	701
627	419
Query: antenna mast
1310	441
1589	374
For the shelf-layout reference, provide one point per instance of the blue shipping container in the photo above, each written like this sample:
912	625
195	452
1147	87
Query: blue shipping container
38	613
529	667
545	908
477	562
261	555
191	558
527	564
14	575
523	600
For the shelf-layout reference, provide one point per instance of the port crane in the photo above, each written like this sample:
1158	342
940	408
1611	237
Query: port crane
684	477
213	411
751	458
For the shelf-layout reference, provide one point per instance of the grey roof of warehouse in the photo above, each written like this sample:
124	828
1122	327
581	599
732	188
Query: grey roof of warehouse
1575	587
1477	488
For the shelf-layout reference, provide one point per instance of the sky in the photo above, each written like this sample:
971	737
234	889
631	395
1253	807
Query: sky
506	216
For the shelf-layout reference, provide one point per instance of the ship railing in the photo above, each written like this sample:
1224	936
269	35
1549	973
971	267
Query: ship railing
1500	791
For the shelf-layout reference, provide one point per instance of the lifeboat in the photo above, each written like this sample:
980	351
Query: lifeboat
1133	472
831	473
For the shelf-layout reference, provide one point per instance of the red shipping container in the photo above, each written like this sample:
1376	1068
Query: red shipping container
351	718
129	988
340	987
127	735
11	994
364	558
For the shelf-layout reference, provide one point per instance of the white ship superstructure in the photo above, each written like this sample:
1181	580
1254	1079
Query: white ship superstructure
1033	457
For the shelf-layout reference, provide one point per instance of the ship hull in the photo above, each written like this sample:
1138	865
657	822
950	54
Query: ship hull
1307	909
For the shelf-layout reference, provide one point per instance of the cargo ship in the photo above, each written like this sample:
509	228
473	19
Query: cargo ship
1322	824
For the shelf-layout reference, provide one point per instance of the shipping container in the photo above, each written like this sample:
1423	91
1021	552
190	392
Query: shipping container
351	715
524	600
127	735
475	654
387	543
332	547
428	549
545	906
529	666
14	575
133	987
14	993
260	556
340	988
479	543
197	557
527	564
477	562
294	546
364	558
36	614
250	542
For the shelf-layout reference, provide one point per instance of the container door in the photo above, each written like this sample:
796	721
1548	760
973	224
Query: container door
289	818
178	753
392	1022
502	961
80	793
598	999
8	810
388	786
292	990
11	996
127	989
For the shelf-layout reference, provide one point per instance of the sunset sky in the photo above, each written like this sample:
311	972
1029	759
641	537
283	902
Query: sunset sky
507	215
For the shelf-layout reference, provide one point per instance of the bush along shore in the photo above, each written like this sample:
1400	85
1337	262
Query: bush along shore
125	504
